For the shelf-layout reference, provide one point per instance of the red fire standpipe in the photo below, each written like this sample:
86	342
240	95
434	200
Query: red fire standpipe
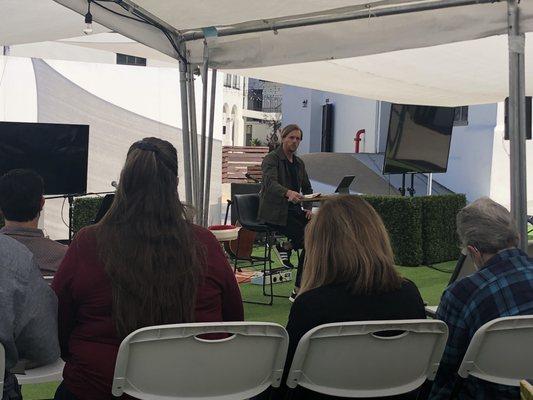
358	139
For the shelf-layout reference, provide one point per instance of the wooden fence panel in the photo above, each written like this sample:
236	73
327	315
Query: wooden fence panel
238	160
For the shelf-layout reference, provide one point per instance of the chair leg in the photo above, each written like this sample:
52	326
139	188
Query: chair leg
236	255
266	259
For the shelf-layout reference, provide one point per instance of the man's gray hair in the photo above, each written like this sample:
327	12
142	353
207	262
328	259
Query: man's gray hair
486	225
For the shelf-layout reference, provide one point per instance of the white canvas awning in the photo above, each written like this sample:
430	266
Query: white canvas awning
454	56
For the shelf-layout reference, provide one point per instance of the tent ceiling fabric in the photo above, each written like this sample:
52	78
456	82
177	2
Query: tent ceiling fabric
452	56
330	41
204	13
30	21
471	72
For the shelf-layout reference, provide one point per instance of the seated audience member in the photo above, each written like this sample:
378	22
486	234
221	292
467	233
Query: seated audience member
143	264
502	287
21	202
28	314
348	275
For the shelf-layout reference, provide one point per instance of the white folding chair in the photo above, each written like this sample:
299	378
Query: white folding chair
352	359
179	362
501	351
2	368
47	373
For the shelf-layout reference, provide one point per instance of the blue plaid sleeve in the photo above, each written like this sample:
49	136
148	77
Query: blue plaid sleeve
450	311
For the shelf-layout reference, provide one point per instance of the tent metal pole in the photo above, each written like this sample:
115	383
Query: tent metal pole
430	184
185	132
336	15
205	82
517	122
210	142
194	144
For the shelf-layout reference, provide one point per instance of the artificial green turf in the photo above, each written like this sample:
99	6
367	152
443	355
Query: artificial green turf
430	282
40	391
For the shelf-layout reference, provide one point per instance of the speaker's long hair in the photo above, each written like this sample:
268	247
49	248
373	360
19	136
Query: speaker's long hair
146	242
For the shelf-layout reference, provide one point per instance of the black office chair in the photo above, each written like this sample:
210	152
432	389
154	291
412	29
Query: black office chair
246	207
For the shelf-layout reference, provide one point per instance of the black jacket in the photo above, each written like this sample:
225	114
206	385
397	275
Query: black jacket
273	205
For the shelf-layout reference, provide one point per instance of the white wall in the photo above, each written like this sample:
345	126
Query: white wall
349	115
500	172
293	111
470	161
232	100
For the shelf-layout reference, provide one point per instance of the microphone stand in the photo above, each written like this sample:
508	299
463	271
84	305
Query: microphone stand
70	198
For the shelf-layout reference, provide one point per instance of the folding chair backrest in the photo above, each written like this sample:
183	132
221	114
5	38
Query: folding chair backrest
501	351
246	207
172	362
2	368
353	359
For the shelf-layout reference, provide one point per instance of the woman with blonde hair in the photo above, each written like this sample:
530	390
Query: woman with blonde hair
349	274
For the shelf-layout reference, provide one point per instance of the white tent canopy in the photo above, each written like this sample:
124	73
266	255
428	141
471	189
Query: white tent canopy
449	57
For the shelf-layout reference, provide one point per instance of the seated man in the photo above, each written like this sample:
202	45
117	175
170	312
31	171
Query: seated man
21	202
28	313
502	287
284	177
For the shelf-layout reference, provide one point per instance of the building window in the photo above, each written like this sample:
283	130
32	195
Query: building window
249	135
236	82
227	80
255	99
124	59
461	116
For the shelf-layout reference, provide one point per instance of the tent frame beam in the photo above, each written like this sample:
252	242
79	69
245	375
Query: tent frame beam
517	122
185	131
210	144
340	15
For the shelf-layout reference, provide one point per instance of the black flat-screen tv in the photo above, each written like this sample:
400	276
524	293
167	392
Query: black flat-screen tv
419	139
57	152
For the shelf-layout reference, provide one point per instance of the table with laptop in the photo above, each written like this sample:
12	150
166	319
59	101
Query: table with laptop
342	188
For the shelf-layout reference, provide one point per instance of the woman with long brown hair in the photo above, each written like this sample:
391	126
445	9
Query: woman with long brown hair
143	264
349	274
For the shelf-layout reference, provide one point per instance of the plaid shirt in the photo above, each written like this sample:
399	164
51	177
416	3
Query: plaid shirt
502	288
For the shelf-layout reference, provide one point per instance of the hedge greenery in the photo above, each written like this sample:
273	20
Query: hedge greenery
401	216
422	229
84	211
438	221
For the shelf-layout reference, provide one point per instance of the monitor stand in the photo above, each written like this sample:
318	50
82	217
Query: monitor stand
343	191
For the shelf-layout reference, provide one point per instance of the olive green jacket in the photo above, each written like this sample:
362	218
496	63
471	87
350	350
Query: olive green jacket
273	205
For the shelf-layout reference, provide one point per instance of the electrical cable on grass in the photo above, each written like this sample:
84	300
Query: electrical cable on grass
441	270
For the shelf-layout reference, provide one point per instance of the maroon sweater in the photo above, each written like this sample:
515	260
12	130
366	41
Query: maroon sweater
87	335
